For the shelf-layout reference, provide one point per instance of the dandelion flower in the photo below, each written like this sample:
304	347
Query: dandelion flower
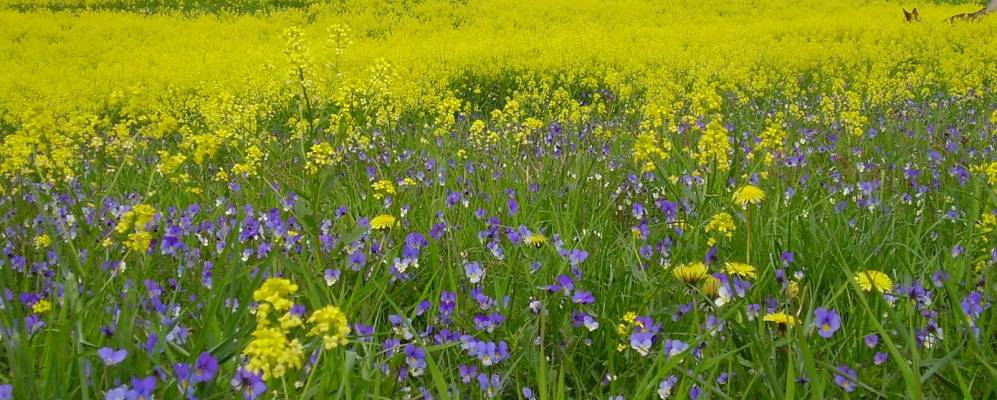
748	194
874	280
383	221
536	240
780	318
690	273
740	269
711	286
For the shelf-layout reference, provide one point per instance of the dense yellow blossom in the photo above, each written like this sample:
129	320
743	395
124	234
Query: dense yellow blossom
42	241
330	323
383	188
272	354
276	292
41	306
714	146
320	155
723	224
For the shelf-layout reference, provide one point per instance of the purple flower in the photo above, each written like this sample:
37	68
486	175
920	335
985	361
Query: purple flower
846	378
938	278
513	206
142	388
467	372
205	368
826	321
564	285
674	347
577	256
973	305
415	358
118	393
880	358
586	320
872	340
666	385
250	384
111	356
641	341
474	272
582	297
694	392
448	302
6	392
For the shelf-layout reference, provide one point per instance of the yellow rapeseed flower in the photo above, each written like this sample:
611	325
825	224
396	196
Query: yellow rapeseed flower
42	241
41	306
331	323
276	292
721	223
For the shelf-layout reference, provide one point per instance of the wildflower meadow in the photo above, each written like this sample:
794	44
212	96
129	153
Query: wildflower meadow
498	199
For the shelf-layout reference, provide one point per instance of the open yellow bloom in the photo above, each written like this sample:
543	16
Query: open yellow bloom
536	240
690	273
748	194
780	318
740	269
711	286
874	280
383	221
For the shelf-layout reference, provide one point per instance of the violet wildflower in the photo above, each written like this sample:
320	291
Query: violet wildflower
827	322
111	356
845	377
249	384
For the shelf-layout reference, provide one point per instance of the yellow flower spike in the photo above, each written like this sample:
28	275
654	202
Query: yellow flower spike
721	223
276	291
331	324
41	306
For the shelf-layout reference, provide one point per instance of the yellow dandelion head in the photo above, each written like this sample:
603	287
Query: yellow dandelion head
383	221
748	194
690	273
874	280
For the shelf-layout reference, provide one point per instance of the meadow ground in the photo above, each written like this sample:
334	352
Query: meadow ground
473	199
